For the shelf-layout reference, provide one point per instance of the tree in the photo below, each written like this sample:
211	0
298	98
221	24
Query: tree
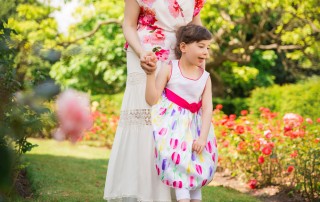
21	111
93	59
280	39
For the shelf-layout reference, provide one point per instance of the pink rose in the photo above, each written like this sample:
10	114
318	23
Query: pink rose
74	116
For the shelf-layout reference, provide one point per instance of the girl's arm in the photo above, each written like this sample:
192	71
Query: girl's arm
206	117
155	84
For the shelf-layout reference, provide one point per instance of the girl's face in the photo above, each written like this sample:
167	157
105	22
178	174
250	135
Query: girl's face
196	52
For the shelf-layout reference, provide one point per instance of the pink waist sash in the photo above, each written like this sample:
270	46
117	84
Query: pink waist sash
193	107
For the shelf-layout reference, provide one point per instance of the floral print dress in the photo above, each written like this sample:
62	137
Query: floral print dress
158	21
176	120
131	171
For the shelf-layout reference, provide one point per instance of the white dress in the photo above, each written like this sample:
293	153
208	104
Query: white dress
131	174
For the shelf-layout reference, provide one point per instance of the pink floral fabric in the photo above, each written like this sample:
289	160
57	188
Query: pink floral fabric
156	27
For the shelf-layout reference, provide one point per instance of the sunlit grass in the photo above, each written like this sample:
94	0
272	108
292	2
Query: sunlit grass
61	171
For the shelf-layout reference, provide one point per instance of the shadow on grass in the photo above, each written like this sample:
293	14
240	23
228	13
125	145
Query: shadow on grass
59	178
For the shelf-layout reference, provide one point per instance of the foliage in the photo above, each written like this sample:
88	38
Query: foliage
35	39
271	149
96	63
107	104
302	98
259	43
21	112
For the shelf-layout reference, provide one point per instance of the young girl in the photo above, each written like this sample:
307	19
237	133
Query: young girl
185	145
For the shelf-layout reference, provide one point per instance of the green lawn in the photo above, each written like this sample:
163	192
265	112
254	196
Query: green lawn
61	171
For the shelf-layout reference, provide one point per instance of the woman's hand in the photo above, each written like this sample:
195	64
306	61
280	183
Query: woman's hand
148	61
198	145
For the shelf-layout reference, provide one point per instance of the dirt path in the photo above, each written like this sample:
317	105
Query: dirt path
267	194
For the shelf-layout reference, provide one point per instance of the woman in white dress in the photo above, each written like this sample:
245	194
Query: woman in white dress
149	26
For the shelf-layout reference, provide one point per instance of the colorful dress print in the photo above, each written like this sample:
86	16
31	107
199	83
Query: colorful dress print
176	120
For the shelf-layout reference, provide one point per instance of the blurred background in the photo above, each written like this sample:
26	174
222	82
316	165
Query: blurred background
264	64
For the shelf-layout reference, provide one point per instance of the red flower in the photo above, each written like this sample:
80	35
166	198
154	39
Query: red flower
290	169
224	133
252	183
256	146
244	112
294	154
266	150
225	143
287	128
318	120
230	124
239	129
261	160
219	106
241	146
271	145
232	116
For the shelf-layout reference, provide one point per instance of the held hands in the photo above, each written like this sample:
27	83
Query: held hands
148	62
198	145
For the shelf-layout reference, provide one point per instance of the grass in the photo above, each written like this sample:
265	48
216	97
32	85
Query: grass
60	171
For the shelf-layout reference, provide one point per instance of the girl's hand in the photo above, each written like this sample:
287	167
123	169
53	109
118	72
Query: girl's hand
198	145
148	61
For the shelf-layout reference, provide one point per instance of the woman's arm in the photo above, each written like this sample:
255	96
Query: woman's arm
206	117
129	26
196	20
156	84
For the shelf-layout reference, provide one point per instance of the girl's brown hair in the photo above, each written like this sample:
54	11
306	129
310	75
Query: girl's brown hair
190	33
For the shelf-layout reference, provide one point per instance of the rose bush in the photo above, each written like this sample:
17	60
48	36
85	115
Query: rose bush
270	149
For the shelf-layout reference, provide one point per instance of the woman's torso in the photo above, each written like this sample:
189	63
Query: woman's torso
159	20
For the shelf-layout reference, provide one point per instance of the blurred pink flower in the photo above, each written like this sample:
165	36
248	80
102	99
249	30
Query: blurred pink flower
291	119
267	134
308	120
74	116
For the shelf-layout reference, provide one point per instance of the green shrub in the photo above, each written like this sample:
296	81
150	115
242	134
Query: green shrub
302	98
108	104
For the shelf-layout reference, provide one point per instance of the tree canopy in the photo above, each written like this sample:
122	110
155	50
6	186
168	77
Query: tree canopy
256	44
